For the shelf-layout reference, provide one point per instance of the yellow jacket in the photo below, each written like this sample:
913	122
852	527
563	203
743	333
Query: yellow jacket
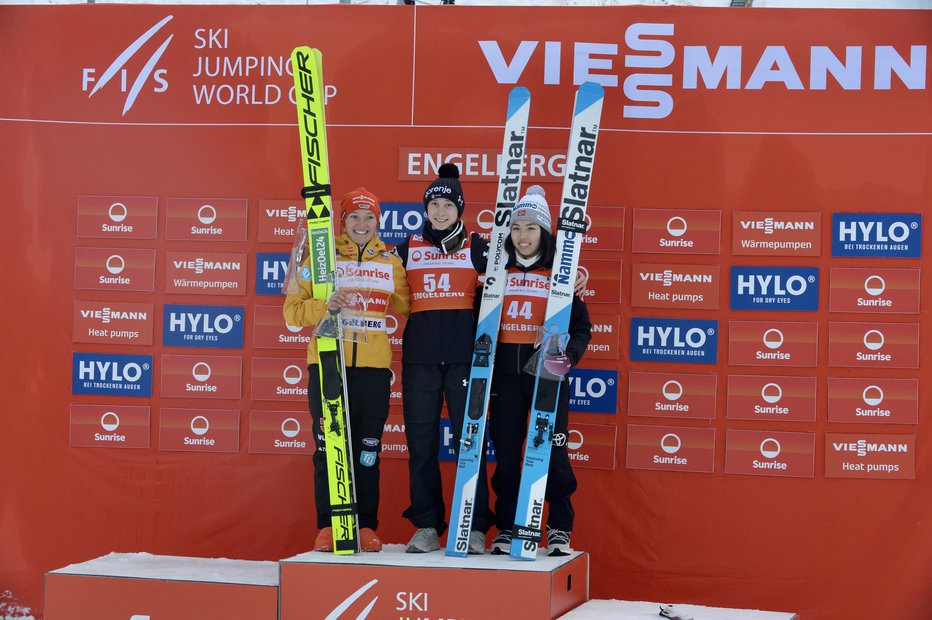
375	273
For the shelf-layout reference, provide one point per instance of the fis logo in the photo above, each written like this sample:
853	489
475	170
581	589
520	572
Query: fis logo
594	391
270	272
400	219
674	340
117	69
889	235
775	288
119	375
218	327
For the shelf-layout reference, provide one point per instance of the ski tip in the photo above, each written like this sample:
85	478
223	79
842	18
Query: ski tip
520	92
517	99
589	93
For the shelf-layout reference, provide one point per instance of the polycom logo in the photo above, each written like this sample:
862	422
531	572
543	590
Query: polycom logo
201	371
771	393
292	374
872	395
339	609
207	214
117	212
676	226
199	425
115	264
874	285
773	338
89	75
672	390
110	421
770	448
873	340
290	427
671	443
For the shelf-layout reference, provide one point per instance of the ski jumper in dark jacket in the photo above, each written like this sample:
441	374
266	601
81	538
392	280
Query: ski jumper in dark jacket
523	310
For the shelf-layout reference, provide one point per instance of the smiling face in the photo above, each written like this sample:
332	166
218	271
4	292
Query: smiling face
525	236
442	213
360	226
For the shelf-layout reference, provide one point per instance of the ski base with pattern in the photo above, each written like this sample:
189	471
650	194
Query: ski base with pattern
571	227
309	94
472	438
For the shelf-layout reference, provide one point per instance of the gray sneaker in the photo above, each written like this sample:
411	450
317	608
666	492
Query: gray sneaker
424	540
476	543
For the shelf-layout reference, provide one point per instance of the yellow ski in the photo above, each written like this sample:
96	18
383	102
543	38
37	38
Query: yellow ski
309	94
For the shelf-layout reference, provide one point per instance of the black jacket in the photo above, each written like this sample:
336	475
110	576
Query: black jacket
443	336
510	358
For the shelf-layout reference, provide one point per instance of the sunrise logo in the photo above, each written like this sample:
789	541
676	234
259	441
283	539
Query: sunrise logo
773	338
671	443
200	425
290	427
770	448
115	264
292	374
110	421
117	212
672	390
201	371
676	226
873	340
771	393
206	214
874	285
872	395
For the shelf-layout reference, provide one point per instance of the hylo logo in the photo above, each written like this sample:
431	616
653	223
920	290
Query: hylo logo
116	67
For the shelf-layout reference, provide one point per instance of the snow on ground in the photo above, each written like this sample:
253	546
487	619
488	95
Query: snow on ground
641	610
11	610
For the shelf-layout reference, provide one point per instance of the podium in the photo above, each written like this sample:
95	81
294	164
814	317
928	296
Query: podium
394	584
140	586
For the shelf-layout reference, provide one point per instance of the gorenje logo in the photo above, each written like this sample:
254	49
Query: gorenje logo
122	375
674	340
890	235
774	288
89	75
711	67
203	326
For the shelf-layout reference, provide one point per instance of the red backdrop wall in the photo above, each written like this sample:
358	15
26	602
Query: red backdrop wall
419	80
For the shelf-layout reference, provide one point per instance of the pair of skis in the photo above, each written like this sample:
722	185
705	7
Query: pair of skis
571	226
309	94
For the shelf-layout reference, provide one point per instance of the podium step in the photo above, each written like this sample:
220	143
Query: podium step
140	586
395	584
641	610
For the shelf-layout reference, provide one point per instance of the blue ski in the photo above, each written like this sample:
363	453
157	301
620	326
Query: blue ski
472	440
571	226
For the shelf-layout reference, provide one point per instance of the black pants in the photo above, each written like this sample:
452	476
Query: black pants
424	389
512	396
368	408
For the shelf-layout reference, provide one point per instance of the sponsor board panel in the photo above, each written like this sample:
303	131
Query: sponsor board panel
674	340
858	455
109	426
394	442
873	401
874	290
776	233
111	374
271	268
676	231
114	269
873	345
783	398
593	390
770	453
205	219
279	378
218	327
199	430
604	285
202	376
280	432
606	331
672	395
478	164
270	331
279	220
394	392
446	452
395	328
206	273
592	446
605	226
399	220
883	235
689	287
117	217
112	322
775	288
773	343
670	448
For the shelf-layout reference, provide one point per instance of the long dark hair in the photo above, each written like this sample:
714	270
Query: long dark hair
547	247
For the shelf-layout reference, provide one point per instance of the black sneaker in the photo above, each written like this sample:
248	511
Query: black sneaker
558	542
501	545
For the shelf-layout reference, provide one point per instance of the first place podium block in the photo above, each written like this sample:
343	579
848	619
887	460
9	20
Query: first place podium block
395	585
140	586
